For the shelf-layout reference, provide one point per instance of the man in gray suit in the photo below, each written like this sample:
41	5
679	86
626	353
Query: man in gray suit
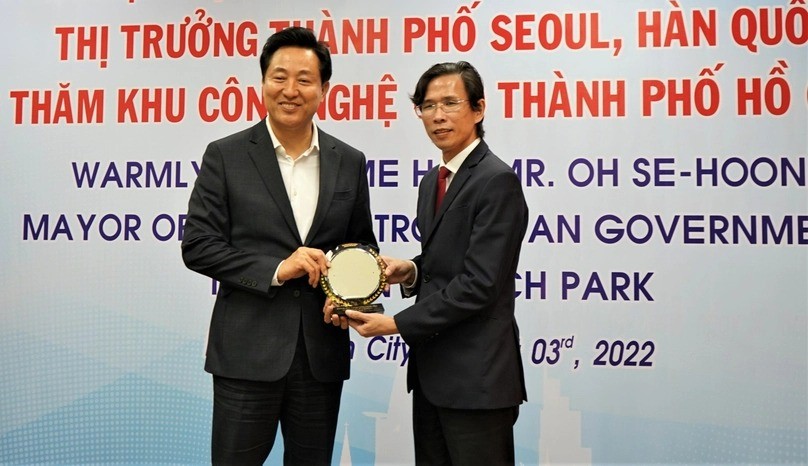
267	202
465	369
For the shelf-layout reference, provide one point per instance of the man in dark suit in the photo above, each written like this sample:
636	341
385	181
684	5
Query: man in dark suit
267	202
465	369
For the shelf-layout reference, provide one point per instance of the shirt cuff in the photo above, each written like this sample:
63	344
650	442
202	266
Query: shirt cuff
275	281
411	286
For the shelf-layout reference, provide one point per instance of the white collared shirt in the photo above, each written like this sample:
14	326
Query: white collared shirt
301	178
454	165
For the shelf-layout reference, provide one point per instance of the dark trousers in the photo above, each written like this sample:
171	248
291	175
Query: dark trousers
246	415
462	437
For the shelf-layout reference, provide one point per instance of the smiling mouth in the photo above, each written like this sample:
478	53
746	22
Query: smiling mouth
441	131
288	105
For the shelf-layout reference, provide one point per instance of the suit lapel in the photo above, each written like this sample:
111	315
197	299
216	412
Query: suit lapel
458	181
426	206
330	160
263	156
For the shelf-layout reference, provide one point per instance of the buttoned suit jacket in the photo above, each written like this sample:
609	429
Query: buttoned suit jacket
462	333
240	226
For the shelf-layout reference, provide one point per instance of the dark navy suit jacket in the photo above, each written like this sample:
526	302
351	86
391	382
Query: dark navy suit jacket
463	337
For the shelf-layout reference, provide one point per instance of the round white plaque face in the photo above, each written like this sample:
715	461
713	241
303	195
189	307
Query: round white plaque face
355	279
354	274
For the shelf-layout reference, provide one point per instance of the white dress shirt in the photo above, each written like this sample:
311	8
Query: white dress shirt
454	165
301	178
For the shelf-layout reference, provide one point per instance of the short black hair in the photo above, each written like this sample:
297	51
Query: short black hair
471	81
297	37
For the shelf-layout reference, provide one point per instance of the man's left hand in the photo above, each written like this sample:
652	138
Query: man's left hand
331	317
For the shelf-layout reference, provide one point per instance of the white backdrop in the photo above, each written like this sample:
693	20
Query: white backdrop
663	284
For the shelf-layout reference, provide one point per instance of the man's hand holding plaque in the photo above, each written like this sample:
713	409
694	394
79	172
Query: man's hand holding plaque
355	279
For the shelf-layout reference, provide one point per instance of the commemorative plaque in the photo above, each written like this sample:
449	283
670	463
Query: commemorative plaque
356	278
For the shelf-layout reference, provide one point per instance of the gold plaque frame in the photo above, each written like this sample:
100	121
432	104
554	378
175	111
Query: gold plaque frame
355	279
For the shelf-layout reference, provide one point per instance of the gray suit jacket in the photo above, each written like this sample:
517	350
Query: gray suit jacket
240	226
462	332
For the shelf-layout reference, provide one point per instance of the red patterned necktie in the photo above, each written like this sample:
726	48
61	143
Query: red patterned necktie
443	173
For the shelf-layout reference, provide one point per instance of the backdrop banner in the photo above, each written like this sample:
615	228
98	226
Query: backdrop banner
662	290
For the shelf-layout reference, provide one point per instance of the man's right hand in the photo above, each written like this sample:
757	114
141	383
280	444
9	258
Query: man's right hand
304	261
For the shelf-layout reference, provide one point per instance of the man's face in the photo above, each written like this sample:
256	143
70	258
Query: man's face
292	88
450	132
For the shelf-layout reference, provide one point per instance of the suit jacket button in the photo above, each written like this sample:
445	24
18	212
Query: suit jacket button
426	278
296	293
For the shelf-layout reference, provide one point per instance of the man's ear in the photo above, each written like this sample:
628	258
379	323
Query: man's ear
479	114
